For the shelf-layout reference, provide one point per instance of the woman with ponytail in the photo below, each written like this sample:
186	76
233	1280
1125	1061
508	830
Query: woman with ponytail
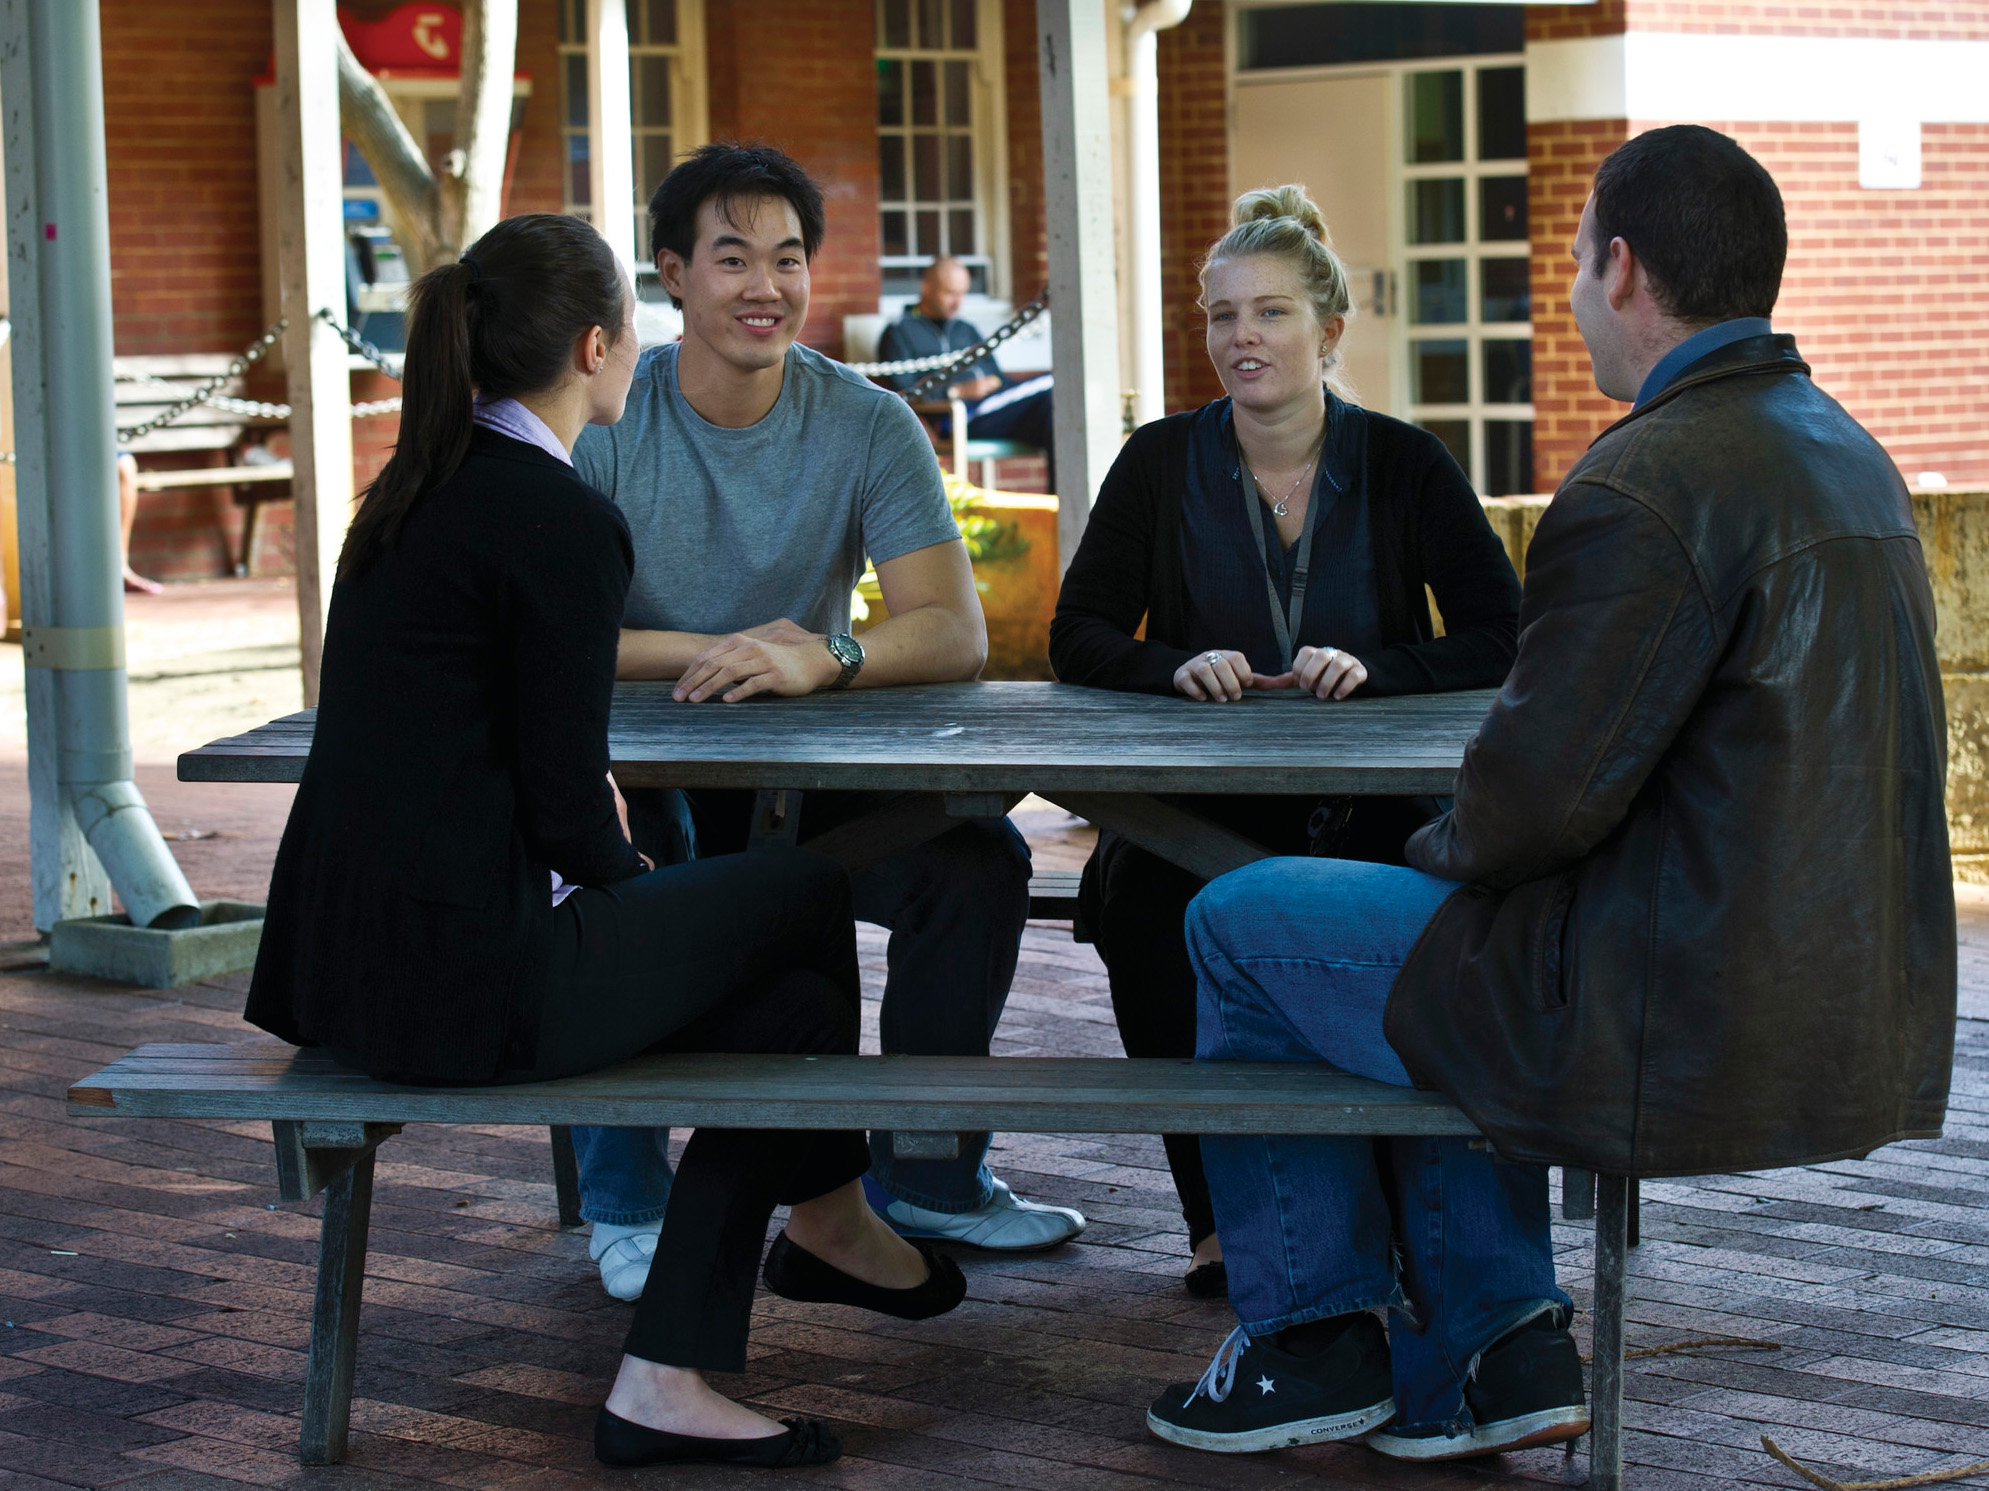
1279	538
454	900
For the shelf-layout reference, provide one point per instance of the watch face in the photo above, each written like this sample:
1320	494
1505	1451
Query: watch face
846	649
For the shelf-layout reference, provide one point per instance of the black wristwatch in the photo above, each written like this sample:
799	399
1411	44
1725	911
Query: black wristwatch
846	650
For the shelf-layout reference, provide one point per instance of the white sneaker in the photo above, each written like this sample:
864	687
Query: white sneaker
1007	1224
624	1254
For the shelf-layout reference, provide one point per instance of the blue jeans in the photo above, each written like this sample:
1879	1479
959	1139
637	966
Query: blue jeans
955	906
1293	960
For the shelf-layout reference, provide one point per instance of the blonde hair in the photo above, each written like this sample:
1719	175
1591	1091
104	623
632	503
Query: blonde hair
1284	223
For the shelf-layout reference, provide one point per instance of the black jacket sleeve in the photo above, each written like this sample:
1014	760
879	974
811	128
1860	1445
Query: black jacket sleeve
891	348
1106	590
1476	592
568	587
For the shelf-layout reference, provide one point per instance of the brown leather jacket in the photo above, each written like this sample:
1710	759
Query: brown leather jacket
1709	920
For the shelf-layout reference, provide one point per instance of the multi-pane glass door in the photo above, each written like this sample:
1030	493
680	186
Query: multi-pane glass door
1466	297
655	51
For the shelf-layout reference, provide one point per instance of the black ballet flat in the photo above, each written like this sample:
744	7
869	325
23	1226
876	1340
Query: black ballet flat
1208	1280
619	1442
794	1273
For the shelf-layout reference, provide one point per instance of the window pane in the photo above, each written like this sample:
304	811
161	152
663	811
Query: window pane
890	92
932	21
1502	209
1440	291
1456	436
965	30
959	97
960	168
357	172
1436	116
891	168
925	103
894	28
653	160
895	241
1436	211
1502	113
1508	457
928	223
1508	372
960	231
659	24
1504	293
576	91
569	22
925	168
579	183
1440	372
649	90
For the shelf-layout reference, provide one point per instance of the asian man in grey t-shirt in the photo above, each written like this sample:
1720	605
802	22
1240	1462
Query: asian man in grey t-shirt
756	475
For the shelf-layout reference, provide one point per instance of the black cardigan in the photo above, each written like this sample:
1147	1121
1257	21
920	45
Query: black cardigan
1426	525
461	751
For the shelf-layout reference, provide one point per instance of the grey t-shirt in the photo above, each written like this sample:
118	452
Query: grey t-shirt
733	528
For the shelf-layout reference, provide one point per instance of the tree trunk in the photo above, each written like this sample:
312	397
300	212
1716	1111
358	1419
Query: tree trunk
434	220
473	177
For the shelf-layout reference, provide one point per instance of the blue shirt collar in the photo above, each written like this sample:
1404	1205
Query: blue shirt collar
1699	344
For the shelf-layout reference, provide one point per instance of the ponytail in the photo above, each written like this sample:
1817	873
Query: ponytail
499	322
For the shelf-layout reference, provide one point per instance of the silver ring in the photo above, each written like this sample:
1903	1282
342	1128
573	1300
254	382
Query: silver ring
1212	658
1331	653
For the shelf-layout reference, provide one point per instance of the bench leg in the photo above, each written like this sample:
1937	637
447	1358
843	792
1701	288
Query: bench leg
1636	1228
566	1175
1612	1217
335	1315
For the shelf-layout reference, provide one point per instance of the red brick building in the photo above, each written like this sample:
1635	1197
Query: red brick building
1451	145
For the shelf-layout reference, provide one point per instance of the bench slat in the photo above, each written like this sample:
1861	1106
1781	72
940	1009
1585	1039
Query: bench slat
1016	1094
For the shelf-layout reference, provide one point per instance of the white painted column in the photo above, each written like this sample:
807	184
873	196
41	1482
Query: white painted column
610	126
311	266
68	879
1077	181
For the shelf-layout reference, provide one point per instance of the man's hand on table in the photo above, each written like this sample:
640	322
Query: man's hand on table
777	657
1221	676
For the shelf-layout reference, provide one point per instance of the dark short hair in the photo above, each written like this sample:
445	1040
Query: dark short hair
724	174
1702	215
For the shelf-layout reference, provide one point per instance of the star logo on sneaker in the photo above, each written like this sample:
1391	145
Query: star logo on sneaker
1266	1386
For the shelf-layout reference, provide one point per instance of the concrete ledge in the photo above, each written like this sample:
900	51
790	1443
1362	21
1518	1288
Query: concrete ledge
110	947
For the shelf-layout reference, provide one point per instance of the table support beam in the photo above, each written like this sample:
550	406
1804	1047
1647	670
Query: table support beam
1197	844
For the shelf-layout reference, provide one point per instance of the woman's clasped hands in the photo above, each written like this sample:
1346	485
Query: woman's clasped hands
1222	676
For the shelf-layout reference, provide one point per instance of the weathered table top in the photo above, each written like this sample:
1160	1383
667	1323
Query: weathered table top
987	737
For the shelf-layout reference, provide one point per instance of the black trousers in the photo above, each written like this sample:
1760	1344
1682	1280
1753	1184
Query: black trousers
749	953
1132	903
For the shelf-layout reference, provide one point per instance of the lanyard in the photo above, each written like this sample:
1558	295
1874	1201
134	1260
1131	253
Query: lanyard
1286	620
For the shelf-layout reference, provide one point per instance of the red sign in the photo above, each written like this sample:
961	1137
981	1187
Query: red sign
423	35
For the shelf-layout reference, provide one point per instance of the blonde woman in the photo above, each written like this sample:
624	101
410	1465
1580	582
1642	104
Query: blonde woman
1277	538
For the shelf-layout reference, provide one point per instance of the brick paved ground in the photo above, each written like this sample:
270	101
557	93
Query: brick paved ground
155	1296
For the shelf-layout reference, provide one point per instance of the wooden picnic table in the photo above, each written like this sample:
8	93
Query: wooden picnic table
964	750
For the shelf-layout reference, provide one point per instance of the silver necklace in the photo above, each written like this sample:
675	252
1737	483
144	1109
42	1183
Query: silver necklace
1279	507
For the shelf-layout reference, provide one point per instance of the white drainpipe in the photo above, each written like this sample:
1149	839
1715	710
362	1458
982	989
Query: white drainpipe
80	636
1143	25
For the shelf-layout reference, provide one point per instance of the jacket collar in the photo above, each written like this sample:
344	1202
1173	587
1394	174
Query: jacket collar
1774	353
485	441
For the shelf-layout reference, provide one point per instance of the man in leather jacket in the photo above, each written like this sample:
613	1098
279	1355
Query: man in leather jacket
1692	910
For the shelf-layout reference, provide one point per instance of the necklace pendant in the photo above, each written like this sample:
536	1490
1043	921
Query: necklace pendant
1279	508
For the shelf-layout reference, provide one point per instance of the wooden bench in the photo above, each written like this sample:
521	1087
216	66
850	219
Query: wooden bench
1053	895
328	1122
147	386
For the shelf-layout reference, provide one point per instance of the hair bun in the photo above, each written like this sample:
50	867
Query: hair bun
1289	200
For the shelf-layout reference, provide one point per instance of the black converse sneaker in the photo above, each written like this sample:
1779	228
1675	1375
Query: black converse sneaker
1527	1391
1256	1397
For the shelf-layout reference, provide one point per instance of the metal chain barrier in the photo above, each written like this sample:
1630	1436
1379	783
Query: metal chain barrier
251	355
937	367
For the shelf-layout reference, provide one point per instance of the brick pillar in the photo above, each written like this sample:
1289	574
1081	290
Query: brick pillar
1194	193
1568	411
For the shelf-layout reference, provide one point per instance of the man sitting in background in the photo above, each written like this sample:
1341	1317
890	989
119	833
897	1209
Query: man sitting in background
997	408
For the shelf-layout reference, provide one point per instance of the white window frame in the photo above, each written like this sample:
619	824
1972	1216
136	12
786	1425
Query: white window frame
1473	331
690	117
989	125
